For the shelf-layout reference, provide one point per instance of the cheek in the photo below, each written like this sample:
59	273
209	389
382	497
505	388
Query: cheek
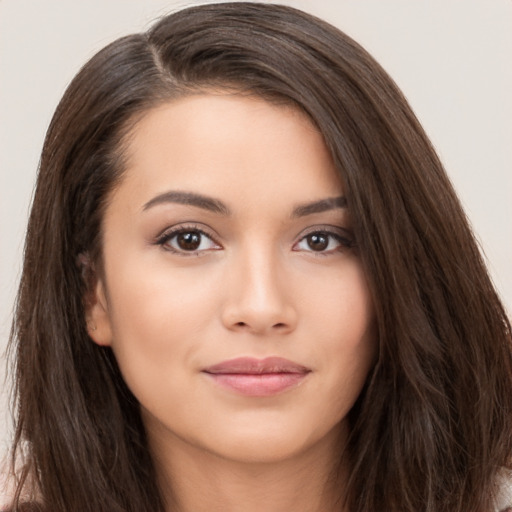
342	308
149	296
155	336
344	319
156	317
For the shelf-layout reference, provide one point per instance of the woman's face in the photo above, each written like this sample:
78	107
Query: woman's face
233	296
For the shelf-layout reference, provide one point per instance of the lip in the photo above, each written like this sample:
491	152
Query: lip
257	377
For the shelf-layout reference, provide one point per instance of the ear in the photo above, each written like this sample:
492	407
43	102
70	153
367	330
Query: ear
97	314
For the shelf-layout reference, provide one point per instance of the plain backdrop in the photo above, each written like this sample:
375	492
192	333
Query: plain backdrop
450	57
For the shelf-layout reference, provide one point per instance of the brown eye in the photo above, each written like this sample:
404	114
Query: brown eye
318	241
325	242
189	241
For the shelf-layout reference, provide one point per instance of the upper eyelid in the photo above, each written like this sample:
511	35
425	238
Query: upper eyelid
344	236
325	228
170	231
183	227
163	240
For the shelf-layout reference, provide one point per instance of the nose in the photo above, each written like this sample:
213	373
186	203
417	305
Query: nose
259	297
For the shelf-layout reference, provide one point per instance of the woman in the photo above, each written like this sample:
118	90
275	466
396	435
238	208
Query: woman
249	285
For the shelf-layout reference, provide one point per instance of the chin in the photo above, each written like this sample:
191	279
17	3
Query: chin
264	445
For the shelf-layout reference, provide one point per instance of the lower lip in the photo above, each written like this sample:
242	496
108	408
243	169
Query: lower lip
266	384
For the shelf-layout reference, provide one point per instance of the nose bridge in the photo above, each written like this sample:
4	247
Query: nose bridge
258	297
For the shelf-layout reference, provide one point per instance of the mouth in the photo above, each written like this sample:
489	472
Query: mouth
257	377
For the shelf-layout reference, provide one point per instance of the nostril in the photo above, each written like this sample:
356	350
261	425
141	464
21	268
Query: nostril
241	324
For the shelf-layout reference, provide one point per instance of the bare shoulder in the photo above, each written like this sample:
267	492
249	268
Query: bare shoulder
504	495
25	507
5	491
7	495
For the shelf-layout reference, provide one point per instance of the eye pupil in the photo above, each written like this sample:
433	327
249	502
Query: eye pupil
318	241
189	241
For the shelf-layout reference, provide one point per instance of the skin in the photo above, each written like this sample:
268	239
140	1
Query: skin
259	284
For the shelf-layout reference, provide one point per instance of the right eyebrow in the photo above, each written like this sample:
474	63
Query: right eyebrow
189	198
322	205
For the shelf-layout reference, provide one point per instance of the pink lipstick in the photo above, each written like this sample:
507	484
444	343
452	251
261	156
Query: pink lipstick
257	377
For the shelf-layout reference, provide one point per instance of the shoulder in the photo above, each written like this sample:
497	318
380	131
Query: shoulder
5	491
25	507
504	494
7	495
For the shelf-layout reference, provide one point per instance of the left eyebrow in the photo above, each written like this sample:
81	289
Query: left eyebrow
323	205
190	199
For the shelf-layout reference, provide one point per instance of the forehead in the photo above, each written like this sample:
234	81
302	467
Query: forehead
227	143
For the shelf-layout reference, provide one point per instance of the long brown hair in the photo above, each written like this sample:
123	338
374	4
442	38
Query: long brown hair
433	425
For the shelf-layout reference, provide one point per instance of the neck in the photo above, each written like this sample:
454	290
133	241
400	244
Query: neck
193	480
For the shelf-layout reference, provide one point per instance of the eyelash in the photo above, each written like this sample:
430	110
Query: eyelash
164	239
346	242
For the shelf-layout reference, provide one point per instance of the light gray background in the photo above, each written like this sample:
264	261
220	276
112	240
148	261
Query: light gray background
450	57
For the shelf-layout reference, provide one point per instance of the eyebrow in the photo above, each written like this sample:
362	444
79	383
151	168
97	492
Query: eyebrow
320	206
216	206
191	199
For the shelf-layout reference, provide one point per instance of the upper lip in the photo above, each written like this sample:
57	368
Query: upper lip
253	366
